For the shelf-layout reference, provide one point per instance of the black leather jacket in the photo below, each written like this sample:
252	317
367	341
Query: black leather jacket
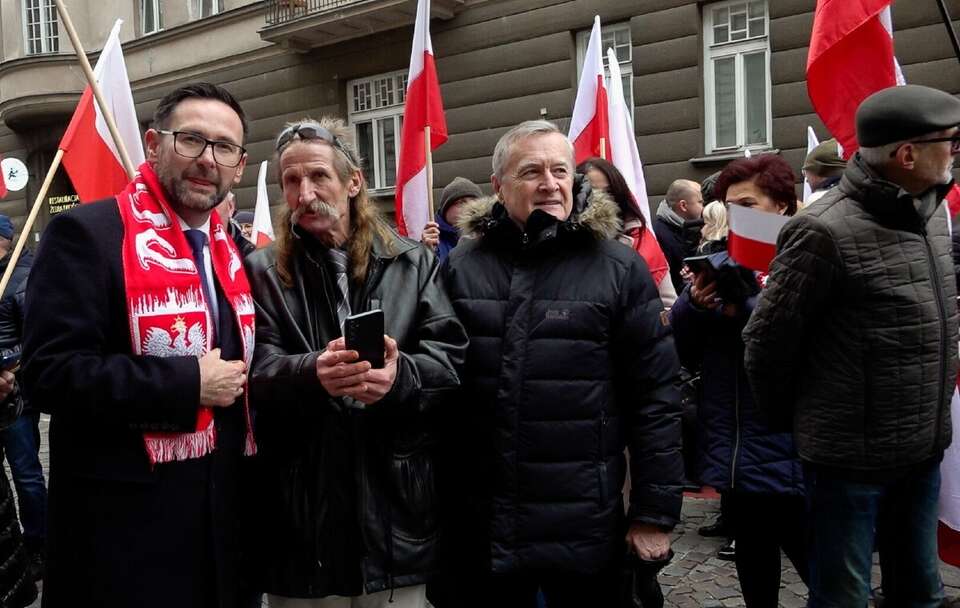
347	494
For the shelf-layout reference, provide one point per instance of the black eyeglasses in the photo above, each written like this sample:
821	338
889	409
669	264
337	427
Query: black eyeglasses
191	145
311	130
954	143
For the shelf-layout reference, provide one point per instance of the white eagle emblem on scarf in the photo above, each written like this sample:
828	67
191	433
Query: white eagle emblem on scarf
159	343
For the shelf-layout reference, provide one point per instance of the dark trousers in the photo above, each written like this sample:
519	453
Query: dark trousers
763	524
559	589
847	516
21	443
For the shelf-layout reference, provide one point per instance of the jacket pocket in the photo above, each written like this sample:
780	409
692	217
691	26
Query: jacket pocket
414	502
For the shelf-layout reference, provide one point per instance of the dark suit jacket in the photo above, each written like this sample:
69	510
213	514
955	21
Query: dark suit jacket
121	533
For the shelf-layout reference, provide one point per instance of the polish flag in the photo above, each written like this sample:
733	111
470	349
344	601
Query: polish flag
423	108
90	156
850	58
262	224
753	237
626	158
812	143
590	125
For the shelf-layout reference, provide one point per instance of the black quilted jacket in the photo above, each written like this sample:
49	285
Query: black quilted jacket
854	340
569	361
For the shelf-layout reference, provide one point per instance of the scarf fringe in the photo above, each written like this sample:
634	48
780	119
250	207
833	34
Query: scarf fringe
168	447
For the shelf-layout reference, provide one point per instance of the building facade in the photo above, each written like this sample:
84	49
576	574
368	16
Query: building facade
706	80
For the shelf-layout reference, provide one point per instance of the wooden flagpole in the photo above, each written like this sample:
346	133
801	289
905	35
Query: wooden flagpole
950	29
603	148
114	133
426	138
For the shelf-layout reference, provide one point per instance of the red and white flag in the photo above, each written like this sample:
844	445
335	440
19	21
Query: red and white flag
851	56
753	237
590	126
90	155
423	108
262	224
626	158
948	529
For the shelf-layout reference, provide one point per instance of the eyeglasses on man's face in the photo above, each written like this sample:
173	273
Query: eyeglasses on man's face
953	139
191	145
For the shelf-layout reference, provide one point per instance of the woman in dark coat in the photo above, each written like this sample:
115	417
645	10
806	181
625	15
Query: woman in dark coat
755	468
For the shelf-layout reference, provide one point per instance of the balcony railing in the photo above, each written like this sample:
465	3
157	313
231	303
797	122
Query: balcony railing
283	11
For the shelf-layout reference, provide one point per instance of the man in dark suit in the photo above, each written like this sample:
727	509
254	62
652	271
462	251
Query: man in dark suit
149	423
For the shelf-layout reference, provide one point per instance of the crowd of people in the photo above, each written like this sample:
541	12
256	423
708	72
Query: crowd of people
214	439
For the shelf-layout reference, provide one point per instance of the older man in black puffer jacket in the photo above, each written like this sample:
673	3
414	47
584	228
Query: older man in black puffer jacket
854	340
569	361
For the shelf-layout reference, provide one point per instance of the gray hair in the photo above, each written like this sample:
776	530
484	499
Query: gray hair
345	157
529	128
879	156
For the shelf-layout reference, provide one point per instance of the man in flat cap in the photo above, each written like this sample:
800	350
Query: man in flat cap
443	233
823	168
854	343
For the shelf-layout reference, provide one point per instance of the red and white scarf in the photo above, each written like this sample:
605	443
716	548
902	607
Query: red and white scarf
165	305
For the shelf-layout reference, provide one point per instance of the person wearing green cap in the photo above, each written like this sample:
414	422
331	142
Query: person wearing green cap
853	344
822	168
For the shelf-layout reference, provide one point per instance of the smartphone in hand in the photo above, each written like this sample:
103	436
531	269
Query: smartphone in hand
364	333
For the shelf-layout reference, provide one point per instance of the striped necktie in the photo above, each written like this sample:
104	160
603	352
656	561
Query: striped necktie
338	263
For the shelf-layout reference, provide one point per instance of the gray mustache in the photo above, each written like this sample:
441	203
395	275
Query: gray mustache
317	207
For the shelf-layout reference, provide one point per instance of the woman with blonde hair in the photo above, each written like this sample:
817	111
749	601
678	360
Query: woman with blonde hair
713	235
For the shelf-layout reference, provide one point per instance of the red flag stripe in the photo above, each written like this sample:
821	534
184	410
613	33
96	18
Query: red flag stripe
851	57
587	143
755	255
91	165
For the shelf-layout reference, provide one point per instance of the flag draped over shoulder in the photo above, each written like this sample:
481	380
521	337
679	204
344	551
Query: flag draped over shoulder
423	108
851	56
90	155
590	126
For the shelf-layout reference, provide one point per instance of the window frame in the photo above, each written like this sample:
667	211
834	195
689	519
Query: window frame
157	16
197	6
738	50
626	67
374	171
47	44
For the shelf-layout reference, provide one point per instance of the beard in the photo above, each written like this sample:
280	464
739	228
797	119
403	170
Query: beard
178	191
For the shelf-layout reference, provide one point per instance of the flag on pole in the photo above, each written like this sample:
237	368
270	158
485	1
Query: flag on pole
589	126
752	241
3	181
423	108
626	158
90	156
262	224
851	57
812	143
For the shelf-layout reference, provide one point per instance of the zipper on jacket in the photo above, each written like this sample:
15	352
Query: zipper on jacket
602	469
736	434
938	296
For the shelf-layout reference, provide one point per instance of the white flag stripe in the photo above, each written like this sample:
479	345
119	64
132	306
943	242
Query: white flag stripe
756	225
585	106
421	40
262	223
811	144
111	74
623	144
415	204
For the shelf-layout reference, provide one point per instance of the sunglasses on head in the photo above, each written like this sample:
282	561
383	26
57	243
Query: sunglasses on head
308	131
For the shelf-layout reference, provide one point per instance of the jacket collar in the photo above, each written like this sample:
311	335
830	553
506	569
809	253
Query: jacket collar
312	247
669	216
885	199
594	214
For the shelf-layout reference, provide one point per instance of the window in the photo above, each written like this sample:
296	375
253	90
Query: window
616	37
736	75
376	113
150	16
41	26
206	8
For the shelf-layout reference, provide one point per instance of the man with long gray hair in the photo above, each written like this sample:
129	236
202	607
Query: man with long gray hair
347	488
568	362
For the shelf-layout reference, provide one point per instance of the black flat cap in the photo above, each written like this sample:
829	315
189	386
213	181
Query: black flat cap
902	113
